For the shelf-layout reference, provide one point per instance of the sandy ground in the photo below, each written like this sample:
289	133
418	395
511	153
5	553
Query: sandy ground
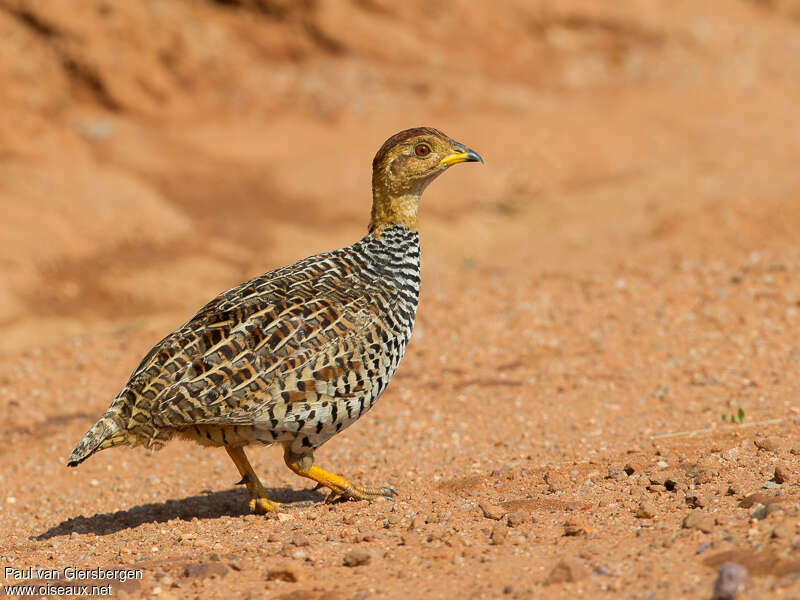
599	299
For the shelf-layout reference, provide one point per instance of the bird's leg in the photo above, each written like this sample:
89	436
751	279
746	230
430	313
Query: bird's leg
259	503
303	465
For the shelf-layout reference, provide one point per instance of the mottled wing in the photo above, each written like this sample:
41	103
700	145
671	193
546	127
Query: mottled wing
287	336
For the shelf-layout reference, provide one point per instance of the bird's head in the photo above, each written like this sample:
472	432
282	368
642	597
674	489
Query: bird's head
402	169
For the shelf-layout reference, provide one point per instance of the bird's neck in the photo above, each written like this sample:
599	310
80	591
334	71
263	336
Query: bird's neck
389	210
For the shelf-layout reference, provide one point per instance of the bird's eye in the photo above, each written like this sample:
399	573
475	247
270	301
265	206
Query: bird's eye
422	150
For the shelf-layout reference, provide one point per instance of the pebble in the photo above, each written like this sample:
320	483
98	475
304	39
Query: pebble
771	485
356	557
286	573
772	443
567	570
410	538
616	473
555	481
784	530
781	474
573	527
646	510
699	520
773	508
632	467
699	475
795	450
516	519
759	512
754	499
499	534
731	579
299	539
702	547
490	511
696	501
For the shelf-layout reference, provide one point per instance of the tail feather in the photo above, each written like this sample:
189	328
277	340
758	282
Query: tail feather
106	433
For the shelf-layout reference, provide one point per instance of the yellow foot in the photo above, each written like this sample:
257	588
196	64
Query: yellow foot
341	488
358	492
263	505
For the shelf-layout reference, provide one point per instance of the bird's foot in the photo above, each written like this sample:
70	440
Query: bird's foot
262	505
358	492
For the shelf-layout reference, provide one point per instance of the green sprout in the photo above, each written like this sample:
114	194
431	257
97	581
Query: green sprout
738	418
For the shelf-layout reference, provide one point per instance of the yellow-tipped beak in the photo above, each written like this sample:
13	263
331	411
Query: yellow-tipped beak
461	155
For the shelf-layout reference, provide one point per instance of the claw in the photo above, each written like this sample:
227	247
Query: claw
243	481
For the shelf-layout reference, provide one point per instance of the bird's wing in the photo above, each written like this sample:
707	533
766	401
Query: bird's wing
301	327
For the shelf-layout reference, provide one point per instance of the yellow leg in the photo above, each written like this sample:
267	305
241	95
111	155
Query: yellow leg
303	465
259	503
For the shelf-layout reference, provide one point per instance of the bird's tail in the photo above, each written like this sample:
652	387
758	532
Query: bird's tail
106	433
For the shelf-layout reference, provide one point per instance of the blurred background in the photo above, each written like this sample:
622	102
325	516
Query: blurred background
624	266
155	153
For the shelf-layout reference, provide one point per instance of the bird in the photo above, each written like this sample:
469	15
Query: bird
296	355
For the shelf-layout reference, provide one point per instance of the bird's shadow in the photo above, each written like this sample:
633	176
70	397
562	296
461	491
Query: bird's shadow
228	503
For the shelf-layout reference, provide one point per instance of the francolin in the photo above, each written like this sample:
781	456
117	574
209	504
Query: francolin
293	356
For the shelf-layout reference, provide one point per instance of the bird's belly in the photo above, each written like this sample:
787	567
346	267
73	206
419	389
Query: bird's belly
228	435
311	424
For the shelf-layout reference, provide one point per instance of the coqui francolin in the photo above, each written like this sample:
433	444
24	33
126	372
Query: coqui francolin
293	356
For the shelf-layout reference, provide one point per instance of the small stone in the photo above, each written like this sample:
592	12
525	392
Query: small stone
556	482
647	510
490	511
574	527
567	570
781	474
632	467
516	519
299	555
772	443
356	557
734	490
286	573
759	512
702	547
616	473
795	450
773	508
699	475
299	540
696	501
731	579
410	538
754	499
499	534
784	530
699	520
771	485
394	519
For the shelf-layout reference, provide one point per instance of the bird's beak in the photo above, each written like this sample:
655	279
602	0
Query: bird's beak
461	154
